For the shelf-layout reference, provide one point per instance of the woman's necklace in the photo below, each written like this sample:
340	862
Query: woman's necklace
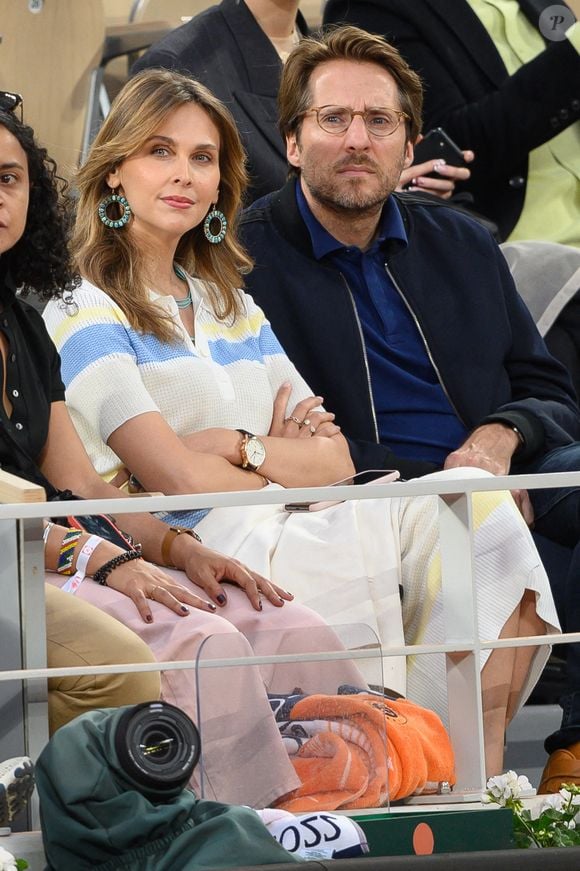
285	44
186	301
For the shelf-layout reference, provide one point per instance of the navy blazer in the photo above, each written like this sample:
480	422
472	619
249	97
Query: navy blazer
484	345
469	92
225	48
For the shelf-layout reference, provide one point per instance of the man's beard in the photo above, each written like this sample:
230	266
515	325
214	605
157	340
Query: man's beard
349	195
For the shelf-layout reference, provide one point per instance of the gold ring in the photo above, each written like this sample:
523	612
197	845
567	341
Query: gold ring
306	421
151	596
294	420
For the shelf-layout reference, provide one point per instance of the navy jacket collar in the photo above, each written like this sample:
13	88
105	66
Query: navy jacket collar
286	216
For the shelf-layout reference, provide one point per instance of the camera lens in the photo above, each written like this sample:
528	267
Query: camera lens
157	745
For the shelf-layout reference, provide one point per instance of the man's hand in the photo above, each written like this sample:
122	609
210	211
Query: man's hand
491	447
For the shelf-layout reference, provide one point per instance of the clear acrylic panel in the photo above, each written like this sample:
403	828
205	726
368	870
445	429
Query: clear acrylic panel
283	726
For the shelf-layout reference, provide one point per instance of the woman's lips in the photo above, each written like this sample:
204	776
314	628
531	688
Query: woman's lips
178	202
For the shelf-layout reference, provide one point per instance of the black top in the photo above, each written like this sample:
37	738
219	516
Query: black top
33	381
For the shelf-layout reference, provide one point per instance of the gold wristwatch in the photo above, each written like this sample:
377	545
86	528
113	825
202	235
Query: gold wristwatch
252	451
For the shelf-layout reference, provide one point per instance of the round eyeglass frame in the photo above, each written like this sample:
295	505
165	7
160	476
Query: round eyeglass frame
363	113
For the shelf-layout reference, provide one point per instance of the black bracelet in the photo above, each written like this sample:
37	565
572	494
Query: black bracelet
101	575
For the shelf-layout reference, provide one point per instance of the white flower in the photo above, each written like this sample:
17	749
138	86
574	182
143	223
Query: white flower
7	860
555	802
507	786
571	824
567	796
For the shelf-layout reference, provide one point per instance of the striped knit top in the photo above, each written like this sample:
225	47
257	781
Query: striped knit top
112	373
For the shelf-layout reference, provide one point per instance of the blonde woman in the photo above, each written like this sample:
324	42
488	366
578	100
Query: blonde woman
181	615
174	374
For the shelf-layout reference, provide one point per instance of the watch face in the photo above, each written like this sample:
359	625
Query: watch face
255	451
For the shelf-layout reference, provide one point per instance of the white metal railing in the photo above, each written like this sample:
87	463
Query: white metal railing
23	521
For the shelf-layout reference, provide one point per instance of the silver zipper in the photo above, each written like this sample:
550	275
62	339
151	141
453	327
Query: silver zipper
427	348
364	350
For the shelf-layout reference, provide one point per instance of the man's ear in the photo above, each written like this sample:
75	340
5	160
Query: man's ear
293	150
409	154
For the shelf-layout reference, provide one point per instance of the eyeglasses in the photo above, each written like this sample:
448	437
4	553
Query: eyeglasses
10	102
379	121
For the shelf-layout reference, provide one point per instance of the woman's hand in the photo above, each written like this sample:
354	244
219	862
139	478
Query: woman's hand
142	581
417	177
304	422
208	569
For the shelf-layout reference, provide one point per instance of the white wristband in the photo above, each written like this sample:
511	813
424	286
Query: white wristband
85	553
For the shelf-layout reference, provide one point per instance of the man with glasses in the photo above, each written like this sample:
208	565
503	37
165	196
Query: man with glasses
402	313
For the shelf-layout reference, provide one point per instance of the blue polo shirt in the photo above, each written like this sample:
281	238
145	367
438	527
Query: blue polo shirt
414	416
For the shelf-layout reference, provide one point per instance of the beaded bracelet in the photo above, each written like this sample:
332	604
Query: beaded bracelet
101	575
67	550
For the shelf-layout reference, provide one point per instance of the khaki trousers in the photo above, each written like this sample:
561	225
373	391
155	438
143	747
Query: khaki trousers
80	634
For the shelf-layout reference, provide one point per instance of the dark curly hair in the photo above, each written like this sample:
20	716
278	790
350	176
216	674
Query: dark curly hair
40	260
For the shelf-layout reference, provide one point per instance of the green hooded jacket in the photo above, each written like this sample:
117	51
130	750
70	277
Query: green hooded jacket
95	817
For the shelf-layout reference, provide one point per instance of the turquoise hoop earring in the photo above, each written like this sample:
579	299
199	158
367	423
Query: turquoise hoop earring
115	224
215	215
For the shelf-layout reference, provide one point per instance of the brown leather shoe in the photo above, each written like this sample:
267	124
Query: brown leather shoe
563	766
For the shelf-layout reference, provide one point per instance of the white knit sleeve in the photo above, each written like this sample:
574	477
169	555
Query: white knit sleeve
100	367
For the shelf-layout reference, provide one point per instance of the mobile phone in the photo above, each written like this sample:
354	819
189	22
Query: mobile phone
437	144
370	476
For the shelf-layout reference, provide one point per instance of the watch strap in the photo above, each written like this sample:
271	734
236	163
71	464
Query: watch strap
168	540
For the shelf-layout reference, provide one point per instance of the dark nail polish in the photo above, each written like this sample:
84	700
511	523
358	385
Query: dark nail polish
260	604
288	593
185	609
281	600
211	606
149	618
221	599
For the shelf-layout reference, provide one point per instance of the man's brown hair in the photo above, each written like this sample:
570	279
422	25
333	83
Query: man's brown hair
344	43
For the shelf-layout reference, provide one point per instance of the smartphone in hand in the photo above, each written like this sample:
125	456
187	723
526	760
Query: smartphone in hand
437	144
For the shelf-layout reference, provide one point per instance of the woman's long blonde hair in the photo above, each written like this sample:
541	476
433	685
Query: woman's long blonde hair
110	258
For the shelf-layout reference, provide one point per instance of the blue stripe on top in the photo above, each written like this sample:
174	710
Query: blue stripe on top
224	352
96	341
